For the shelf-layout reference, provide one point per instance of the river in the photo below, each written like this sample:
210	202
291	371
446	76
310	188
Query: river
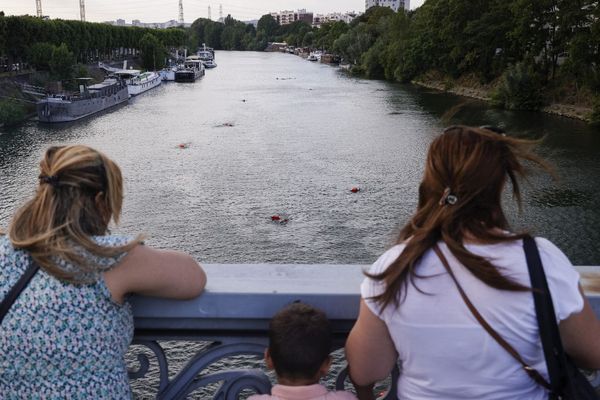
271	134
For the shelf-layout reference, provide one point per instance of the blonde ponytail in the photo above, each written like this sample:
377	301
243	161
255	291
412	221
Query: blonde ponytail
80	191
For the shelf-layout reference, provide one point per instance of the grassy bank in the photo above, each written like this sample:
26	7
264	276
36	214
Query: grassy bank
568	105
15	108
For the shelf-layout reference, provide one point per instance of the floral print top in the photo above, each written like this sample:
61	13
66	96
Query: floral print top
60	340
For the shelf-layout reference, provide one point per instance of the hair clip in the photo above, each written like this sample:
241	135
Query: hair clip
448	198
50	180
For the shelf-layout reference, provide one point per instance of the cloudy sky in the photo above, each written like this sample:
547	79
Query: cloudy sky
164	10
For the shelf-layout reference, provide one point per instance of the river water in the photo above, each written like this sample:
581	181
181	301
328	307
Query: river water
271	134
302	136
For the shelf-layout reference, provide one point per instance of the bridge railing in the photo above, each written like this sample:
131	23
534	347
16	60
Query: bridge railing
232	319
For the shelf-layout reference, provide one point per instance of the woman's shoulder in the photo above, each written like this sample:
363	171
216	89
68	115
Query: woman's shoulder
11	256
4	243
550	250
386	259
113	240
107	262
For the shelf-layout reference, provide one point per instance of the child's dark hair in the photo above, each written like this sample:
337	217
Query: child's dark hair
299	341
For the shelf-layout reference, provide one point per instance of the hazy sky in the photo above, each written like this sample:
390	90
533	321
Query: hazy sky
164	10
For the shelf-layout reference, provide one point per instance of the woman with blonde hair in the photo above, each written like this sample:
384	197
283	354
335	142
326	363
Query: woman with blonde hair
457	246
68	324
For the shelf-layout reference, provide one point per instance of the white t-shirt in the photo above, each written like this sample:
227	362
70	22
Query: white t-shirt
444	351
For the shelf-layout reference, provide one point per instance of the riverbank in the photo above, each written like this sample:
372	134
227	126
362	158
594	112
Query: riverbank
14	107
484	93
18	106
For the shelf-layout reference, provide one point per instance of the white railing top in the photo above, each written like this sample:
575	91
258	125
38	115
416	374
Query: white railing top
245	296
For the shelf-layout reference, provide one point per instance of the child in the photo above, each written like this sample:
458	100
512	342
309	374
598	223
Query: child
299	346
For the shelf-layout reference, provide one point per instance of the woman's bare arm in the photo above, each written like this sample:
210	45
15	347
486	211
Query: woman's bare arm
580	335
370	352
153	272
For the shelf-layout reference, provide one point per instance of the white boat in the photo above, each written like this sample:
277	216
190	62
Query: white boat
209	64
168	74
139	82
312	57
207	55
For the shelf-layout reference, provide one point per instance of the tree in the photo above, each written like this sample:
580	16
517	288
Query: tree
61	63
153	52
40	55
354	43
11	112
267	25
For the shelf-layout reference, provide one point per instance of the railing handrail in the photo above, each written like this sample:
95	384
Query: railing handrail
244	297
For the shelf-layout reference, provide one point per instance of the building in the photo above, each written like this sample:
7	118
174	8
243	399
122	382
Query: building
393	4
347	17
154	25
287	17
251	22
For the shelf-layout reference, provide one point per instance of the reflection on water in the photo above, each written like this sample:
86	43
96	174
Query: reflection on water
561	198
207	164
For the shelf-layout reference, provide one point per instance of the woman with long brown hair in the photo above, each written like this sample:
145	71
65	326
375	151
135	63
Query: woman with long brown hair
412	311
65	332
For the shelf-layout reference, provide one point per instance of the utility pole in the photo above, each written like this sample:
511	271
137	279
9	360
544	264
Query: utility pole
82	10
209	17
38	6
180	12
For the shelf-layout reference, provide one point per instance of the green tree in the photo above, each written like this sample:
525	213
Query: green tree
11	112
354	43
520	88
61	63
153	52
40	54
267	25
329	33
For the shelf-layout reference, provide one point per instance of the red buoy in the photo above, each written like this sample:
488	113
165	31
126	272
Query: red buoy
355	190
275	218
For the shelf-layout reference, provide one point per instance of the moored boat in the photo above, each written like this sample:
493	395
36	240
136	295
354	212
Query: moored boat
192	69
209	64
89	100
168	74
207	55
139	82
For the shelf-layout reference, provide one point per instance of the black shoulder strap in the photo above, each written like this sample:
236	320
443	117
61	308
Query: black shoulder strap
16	290
546	316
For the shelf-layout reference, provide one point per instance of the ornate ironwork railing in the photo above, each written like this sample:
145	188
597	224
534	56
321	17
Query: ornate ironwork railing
231	320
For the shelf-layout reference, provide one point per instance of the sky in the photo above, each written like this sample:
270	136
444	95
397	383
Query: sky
164	10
